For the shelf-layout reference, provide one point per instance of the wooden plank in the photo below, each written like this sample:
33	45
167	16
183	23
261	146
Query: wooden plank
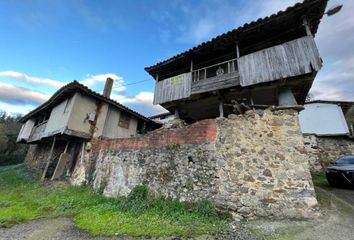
290	59
215	83
49	159
174	88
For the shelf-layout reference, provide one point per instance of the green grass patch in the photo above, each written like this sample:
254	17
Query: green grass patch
22	199
320	180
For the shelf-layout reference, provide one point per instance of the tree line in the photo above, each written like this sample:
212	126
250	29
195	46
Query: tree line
11	152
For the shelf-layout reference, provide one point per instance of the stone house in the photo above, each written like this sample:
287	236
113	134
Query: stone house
62	127
238	142
327	128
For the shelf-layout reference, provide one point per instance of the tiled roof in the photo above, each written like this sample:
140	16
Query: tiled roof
78	87
244	28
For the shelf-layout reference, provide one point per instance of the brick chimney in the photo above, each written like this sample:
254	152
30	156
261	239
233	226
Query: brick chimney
108	87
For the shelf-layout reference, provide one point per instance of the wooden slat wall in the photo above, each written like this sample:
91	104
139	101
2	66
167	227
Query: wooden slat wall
218	82
174	88
293	58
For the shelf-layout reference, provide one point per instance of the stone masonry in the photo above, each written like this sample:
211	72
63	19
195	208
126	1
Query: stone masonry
322	151
253	165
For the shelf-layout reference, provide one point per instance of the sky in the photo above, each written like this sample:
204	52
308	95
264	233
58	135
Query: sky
47	44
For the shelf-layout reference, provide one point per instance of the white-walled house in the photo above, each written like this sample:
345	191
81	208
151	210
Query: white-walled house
60	129
323	118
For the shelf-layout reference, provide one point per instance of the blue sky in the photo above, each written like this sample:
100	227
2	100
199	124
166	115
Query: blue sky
45	44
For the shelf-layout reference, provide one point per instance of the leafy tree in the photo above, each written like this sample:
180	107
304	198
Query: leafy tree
11	152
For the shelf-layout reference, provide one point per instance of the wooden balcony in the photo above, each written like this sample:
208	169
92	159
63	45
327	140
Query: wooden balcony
37	132
291	59
214	77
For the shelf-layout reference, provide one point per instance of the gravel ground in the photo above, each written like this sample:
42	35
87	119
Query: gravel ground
336	223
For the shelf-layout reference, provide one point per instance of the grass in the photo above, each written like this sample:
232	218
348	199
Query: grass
320	180
23	199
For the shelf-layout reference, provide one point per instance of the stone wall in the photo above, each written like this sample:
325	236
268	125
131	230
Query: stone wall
324	150
254	165
264	169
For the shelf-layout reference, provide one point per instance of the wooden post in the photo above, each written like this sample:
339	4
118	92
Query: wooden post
221	109
237	55
191	70
82	153
307	27
157	77
60	162
237	51
48	159
67	146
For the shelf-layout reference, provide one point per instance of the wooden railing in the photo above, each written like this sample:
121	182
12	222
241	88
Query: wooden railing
215	70
214	77
37	132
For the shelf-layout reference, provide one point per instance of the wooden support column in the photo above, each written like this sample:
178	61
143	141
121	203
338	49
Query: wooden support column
191	69
48	159
237	56
237	51
67	146
62	163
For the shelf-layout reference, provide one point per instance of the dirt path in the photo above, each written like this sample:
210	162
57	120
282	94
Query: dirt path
44	229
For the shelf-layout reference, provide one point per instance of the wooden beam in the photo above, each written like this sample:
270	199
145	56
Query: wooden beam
67	146
48	159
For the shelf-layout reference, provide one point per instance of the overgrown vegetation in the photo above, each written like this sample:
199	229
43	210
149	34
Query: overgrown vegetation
10	151
23	199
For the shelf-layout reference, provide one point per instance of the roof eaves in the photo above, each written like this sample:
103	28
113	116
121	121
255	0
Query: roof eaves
245	27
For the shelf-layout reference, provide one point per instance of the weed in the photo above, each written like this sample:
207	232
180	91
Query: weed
139	214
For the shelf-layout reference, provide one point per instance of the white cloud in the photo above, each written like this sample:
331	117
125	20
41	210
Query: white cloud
12	94
92	80
30	79
142	103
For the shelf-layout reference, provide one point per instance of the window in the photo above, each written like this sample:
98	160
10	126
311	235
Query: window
124	120
345	160
67	105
